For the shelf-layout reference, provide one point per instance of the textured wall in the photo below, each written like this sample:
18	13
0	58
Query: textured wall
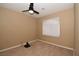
67	28
15	28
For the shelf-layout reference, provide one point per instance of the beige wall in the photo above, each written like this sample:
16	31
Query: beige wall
77	29
67	28
15	28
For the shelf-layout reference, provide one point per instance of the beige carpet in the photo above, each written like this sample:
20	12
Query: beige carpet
38	49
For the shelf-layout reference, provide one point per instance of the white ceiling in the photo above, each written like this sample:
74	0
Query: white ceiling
43	8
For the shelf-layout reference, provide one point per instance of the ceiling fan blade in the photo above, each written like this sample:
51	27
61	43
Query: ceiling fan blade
36	12
25	10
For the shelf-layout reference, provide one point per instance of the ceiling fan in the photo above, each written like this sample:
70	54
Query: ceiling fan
31	9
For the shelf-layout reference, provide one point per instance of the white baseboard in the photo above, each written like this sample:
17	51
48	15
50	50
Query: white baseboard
56	44
29	42
2	50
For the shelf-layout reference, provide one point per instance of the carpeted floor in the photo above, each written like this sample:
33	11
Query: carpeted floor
38	49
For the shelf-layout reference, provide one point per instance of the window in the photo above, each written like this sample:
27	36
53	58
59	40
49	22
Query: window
51	27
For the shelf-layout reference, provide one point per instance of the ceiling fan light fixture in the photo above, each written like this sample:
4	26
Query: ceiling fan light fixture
31	12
